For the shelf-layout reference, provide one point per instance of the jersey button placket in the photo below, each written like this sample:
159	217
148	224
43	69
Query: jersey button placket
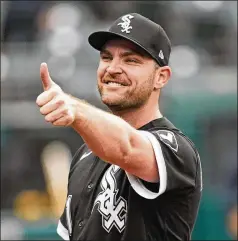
90	185
81	224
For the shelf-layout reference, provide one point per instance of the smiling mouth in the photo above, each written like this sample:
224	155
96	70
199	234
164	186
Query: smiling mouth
114	84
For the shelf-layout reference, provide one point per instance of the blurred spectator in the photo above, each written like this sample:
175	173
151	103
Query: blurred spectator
20	22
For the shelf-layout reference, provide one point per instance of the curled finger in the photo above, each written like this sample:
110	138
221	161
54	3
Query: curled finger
45	97
63	121
55	115
51	106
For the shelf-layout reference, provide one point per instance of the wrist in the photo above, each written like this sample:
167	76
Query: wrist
77	106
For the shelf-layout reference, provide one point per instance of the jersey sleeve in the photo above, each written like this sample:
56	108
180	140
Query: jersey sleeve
177	164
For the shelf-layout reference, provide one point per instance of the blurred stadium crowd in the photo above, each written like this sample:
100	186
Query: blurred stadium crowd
201	99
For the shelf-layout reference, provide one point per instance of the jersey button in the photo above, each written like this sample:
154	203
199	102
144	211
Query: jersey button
81	224
90	185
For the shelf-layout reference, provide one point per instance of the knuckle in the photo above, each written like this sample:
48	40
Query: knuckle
63	112
66	112
60	101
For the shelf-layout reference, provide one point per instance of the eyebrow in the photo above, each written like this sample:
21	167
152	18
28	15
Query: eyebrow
124	54
104	51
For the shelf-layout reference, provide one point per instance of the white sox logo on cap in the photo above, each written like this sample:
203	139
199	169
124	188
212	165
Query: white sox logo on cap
126	23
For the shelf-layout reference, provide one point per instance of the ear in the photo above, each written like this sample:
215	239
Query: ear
162	76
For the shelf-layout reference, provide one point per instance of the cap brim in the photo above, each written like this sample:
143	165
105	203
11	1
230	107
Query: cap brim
98	39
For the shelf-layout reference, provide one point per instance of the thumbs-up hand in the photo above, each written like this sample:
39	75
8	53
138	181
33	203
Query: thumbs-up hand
58	107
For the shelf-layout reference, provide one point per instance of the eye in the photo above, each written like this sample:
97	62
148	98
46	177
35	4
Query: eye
131	60
106	57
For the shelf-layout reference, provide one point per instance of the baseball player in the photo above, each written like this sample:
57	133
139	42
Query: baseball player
136	177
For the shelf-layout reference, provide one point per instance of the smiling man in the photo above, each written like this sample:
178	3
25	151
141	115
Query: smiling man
132	69
137	177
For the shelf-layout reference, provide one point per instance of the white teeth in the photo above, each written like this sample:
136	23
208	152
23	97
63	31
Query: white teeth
114	84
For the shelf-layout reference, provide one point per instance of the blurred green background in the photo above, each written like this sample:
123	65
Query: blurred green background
200	99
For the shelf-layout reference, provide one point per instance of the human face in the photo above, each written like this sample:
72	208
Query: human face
125	75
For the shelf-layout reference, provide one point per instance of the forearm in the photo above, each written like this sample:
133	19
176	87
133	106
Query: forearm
108	136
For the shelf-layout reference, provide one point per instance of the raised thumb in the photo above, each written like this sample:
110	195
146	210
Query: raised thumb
45	76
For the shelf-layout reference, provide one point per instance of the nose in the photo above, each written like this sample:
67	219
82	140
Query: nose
114	68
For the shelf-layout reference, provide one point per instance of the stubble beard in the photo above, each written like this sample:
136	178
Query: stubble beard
131	100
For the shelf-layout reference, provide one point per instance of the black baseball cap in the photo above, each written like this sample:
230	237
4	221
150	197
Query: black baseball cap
145	33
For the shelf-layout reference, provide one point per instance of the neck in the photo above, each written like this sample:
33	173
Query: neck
139	116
